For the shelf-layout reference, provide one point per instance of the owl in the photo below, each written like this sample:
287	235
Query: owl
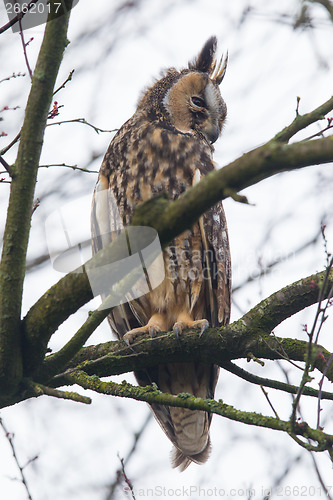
165	147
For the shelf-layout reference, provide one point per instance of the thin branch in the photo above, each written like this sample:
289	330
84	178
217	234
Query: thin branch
17	18
68	79
274	384
35	205
24	46
84	122
320	392
126	479
320	479
137	436
11	144
57	362
6	166
303	121
17	137
73	167
310	359
269	402
10	440
321	132
14	75
41	389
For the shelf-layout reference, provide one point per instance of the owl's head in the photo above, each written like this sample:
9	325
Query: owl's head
190	99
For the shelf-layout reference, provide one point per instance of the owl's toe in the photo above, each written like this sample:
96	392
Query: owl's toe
201	324
155	325
132	335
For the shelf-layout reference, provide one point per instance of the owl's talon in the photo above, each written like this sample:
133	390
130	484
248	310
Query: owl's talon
204	326
179	326
177	329
153	329
130	336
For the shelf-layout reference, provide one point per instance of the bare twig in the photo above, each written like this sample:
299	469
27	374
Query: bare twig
320	394
10	439
320	479
17	18
273	384
303	121
84	121
320	133
127	480
35	205
14	75
68	79
73	167
24	45
137	437
11	144
41	389
7	167
320	317
269	402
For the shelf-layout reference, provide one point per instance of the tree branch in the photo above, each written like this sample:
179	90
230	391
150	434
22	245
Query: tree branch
17	18
274	384
15	241
303	121
151	394
6	166
250	334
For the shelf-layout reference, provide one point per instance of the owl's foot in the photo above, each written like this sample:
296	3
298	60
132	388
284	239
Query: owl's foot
185	321
155	325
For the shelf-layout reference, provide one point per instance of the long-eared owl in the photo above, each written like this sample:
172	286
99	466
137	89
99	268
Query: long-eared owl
165	147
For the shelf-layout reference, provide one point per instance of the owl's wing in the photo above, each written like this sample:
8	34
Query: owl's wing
106	225
218	264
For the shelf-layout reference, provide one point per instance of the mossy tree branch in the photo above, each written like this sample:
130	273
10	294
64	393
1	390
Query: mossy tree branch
15	241
151	394
250	334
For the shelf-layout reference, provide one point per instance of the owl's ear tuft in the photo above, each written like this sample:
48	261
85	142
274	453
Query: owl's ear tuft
205	61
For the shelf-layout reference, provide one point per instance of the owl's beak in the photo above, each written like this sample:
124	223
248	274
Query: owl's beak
212	132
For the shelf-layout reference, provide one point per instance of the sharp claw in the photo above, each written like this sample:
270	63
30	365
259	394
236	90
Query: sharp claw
203	328
127	339
152	331
177	331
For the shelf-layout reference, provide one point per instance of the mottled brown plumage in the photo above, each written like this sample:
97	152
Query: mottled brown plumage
165	147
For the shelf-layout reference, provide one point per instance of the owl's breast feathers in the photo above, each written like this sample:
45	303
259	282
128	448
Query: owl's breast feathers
146	158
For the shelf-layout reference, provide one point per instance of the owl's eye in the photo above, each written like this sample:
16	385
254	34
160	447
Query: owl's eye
198	102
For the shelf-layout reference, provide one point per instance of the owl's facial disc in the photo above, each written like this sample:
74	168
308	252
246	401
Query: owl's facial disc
194	103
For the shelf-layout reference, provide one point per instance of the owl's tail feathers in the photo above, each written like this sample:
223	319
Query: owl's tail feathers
179	459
